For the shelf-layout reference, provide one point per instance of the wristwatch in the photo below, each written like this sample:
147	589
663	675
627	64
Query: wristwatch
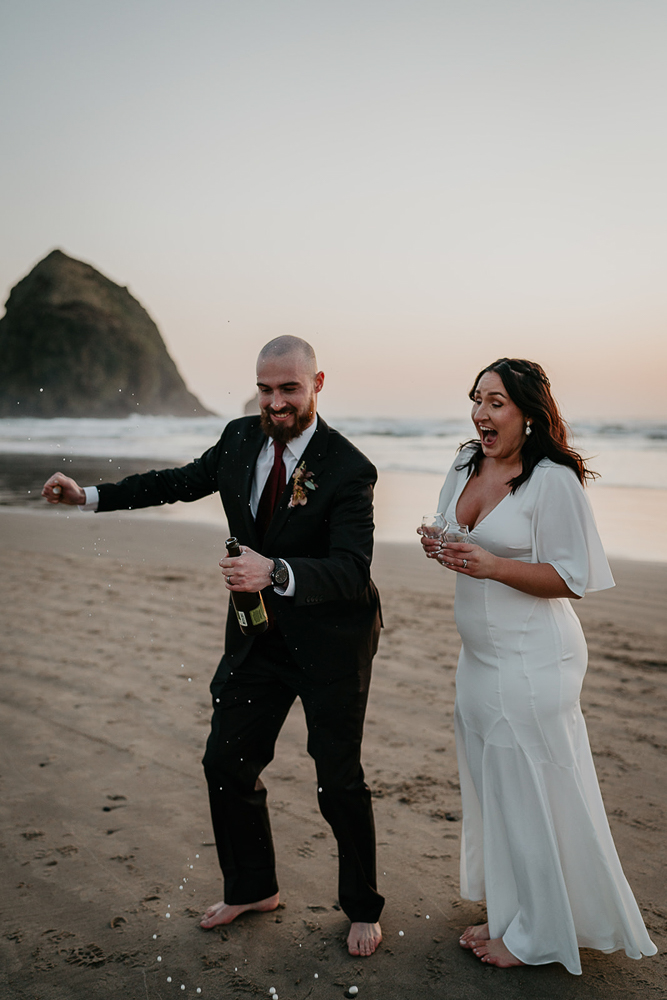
279	573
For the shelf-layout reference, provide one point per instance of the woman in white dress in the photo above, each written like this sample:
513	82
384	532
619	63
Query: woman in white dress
536	841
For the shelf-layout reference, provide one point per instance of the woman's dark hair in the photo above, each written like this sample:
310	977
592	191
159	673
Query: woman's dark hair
527	385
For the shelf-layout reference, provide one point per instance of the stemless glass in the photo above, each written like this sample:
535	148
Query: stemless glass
434	526
455	532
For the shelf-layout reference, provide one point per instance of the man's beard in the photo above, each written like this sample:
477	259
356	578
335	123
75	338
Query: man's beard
287	432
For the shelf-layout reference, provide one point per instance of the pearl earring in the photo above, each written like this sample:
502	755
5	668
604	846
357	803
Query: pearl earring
529	430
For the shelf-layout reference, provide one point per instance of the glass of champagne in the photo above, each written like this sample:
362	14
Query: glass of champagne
434	526
455	532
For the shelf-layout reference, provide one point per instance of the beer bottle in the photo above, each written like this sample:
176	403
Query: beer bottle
250	611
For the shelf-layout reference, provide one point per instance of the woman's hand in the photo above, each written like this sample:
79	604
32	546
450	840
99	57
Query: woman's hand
431	546
471	560
462	557
536	579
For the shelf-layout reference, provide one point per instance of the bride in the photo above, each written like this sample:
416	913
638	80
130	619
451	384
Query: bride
536	841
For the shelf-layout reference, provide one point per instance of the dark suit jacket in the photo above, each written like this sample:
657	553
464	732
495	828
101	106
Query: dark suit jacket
332	624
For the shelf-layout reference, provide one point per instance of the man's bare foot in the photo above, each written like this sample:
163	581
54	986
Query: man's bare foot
495	953
363	939
224	913
472	934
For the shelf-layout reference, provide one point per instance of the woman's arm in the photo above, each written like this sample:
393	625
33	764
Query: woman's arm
536	579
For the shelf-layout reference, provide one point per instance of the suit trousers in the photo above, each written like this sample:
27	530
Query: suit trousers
249	712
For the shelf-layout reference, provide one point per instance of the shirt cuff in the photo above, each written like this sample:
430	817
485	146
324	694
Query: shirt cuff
92	498
289	590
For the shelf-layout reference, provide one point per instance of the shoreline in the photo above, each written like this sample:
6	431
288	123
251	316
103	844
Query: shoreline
112	628
630	520
129	532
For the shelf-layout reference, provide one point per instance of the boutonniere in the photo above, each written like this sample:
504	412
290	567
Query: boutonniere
303	481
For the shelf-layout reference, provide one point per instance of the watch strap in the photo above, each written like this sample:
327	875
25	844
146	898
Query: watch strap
279	574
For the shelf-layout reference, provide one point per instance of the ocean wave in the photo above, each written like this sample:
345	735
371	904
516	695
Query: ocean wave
26	429
625	453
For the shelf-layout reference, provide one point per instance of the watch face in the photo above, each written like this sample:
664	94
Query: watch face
280	574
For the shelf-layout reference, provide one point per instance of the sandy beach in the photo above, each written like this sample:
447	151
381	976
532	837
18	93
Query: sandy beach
111	629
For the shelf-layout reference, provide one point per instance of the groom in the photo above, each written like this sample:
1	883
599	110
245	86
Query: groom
299	497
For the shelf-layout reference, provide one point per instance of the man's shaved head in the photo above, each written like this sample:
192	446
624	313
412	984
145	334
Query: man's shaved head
283	347
287	386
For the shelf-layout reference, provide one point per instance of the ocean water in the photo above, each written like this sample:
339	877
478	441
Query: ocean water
412	457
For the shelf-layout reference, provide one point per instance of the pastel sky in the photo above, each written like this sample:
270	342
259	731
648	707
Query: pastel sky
416	187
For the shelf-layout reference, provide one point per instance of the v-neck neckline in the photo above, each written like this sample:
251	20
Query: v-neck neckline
487	515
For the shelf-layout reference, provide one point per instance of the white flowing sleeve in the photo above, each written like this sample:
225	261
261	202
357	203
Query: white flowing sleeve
451	482
565	534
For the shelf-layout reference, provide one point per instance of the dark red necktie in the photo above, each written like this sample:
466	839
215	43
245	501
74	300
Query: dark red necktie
273	490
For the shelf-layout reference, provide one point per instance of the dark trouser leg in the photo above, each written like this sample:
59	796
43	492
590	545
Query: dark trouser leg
252	708
335	717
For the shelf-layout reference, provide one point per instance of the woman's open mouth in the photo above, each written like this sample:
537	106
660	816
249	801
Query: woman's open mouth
488	435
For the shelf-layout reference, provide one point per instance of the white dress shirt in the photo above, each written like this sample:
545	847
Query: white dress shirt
294	449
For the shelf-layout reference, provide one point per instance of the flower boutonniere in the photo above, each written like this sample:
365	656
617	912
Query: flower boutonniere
303	481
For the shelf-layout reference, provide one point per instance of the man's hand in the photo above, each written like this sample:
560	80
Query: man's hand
248	572
62	489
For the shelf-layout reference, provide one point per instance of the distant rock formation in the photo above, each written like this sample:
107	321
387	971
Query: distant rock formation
74	344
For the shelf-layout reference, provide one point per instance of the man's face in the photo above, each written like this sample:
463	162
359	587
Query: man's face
287	395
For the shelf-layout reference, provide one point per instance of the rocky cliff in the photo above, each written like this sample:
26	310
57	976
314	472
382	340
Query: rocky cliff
74	344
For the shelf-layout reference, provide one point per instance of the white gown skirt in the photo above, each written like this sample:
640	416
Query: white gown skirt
536	841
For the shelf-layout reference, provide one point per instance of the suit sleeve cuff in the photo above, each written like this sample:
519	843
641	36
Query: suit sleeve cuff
289	590
92	498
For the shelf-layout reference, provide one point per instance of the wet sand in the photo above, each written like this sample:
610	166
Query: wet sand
111	629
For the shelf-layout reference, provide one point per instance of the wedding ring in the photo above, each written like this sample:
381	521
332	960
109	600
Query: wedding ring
465	563
229	580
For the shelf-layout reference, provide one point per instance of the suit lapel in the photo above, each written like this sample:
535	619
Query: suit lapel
314	458
251	449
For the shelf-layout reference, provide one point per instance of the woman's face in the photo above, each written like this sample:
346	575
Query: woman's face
499	422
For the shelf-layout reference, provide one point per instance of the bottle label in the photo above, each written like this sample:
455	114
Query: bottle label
241	617
258	615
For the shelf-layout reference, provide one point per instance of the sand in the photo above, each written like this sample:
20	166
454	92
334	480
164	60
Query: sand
112	626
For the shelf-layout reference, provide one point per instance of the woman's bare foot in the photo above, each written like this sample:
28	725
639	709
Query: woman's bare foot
224	913
363	938
472	934
495	953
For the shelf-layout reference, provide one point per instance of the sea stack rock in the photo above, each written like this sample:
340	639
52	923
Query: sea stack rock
74	344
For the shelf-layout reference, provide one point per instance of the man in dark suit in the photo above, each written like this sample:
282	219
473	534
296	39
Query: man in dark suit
298	496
